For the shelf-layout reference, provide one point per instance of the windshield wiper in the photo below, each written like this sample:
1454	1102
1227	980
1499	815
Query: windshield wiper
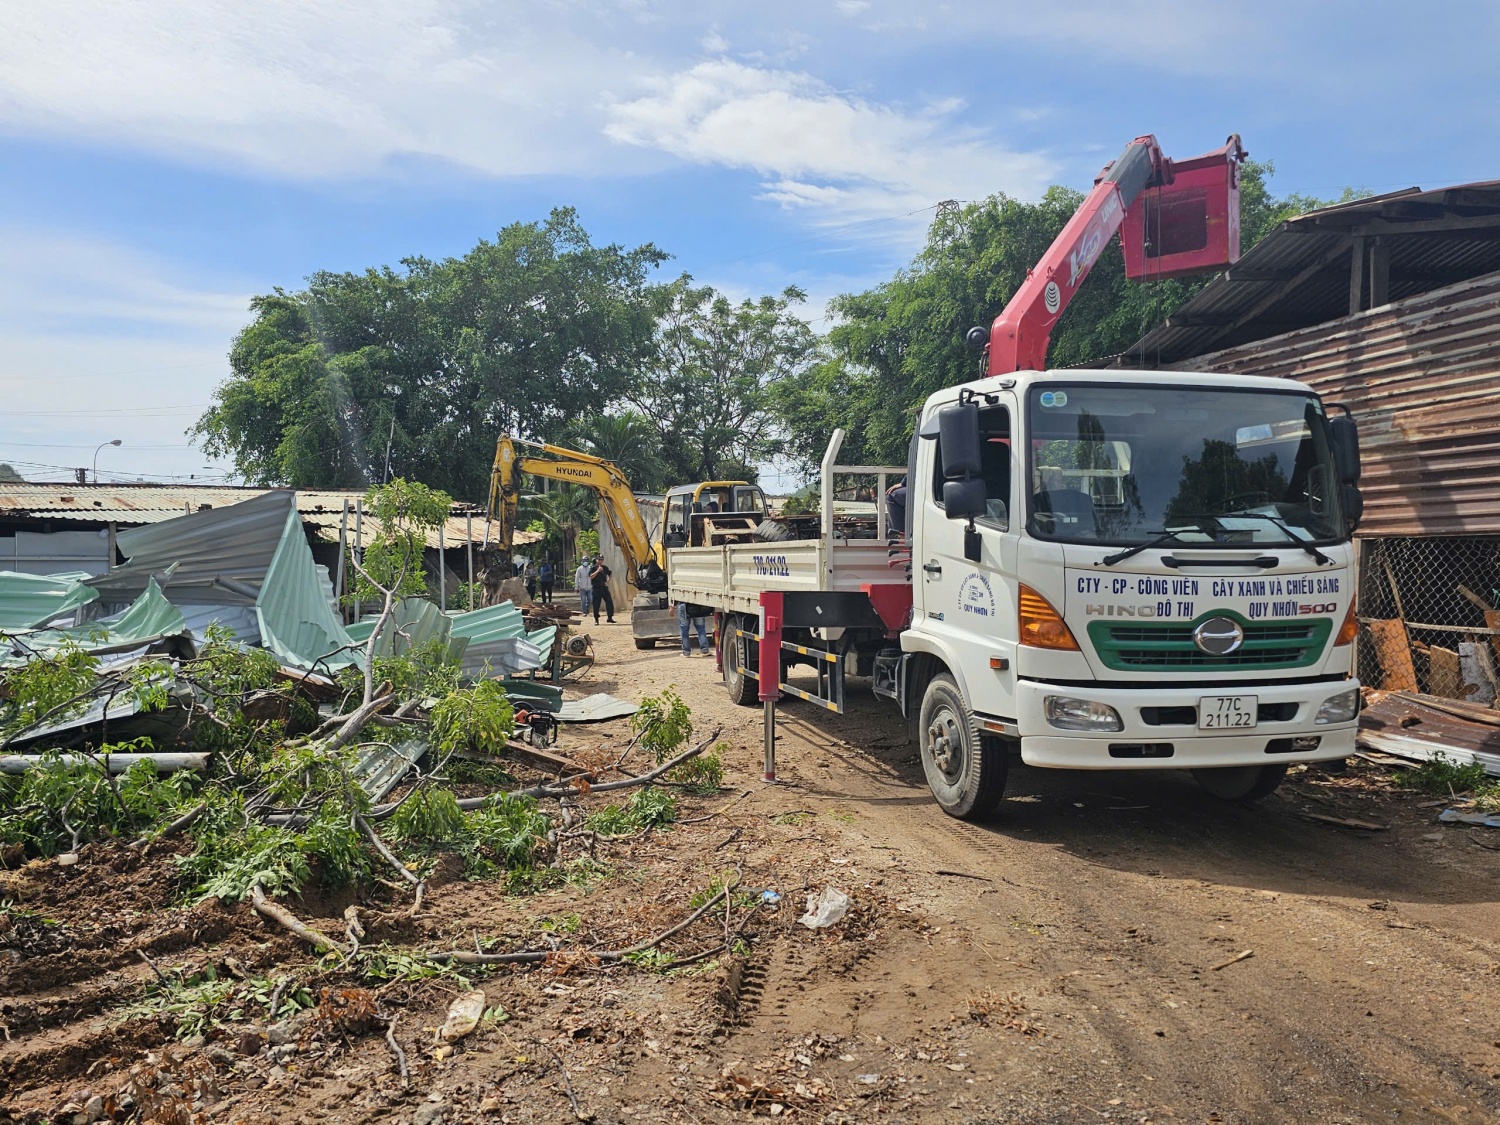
1291	538
1128	552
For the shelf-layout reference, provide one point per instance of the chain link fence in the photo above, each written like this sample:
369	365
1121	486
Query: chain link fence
1429	612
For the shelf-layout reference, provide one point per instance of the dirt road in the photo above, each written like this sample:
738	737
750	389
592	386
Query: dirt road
1111	947
1101	905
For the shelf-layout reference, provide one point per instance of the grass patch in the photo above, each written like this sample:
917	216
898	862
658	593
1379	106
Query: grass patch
1443	777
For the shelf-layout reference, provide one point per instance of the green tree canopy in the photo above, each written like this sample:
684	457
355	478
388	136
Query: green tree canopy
896	344
414	372
8	473
708	390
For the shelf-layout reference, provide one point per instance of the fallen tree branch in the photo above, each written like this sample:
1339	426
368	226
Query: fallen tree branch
547	789
390	857
353	927
390	1039
567	1084
358	719
530	957
186	820
290	922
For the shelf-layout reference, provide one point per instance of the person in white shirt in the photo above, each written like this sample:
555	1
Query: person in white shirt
581	584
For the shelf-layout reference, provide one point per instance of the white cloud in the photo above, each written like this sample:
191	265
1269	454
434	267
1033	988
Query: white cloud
715	44
316	87
100	342
819	148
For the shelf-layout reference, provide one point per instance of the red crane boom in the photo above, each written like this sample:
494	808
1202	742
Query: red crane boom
1180	217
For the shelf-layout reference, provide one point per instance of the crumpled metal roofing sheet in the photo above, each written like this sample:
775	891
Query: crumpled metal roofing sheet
1406	727
28	601
598	708
296	622
148	619
248	556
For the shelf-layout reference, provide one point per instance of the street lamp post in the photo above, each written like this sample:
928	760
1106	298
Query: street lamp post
102	444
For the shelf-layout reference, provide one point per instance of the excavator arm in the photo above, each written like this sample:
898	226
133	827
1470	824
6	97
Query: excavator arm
616	500
1190	224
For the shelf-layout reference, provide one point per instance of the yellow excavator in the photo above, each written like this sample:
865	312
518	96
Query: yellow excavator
701	514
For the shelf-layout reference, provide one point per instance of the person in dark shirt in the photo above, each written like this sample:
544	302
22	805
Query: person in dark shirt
599	584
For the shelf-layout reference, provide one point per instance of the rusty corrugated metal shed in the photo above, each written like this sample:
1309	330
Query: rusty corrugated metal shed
1422	377
1407	243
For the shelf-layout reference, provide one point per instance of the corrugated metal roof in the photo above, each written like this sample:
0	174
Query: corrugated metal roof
136	504
1422	378
1299	274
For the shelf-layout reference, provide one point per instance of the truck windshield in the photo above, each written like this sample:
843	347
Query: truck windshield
1125	464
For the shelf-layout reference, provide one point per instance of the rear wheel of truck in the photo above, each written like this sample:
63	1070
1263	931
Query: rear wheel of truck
742	689
965	771
1240	783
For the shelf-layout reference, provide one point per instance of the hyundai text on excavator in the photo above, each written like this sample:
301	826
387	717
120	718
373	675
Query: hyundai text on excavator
708	512
1107	569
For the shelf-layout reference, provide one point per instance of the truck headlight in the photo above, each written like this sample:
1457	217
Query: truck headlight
1067	713
1338	708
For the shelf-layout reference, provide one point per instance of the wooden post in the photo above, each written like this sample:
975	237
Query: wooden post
1380	272
1357	275
443	565
359	543
469	548
338	579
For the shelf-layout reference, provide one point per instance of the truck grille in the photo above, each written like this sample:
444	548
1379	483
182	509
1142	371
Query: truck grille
1139	647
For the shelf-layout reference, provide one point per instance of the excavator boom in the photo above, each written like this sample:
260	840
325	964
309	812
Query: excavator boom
616	500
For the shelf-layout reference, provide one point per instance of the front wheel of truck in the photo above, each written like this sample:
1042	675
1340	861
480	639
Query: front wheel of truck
1240	783
965	771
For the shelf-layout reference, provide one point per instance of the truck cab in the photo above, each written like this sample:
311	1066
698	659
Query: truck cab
1126	572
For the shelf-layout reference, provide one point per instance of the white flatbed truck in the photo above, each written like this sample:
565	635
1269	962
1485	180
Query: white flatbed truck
1096	569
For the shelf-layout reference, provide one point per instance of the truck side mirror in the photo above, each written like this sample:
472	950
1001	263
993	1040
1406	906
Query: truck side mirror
964	499
958	439
1343	436
1352	501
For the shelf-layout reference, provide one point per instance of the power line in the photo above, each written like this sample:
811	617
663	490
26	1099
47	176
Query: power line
121	412
118	374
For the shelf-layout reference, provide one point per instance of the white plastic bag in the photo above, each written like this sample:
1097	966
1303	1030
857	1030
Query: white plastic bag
464	1015
826	909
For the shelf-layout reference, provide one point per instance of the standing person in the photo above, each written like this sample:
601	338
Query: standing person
581	584
546	576
683	620
599	587
529	574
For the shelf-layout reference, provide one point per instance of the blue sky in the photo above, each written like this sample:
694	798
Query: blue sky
161	162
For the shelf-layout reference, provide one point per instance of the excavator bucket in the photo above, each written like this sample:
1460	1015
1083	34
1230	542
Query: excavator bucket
1190	224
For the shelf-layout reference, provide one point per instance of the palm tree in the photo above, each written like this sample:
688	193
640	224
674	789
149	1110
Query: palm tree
627	439
565	511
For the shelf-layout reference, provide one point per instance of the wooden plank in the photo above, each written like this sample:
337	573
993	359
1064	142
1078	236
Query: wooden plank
1444	673
1492	621
1485	715
1393	650
1475	598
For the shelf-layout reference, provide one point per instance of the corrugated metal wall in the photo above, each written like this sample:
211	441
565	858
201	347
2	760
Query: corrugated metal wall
1422	377
651	508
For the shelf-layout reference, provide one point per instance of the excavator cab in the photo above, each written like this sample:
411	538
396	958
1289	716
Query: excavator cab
712	512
